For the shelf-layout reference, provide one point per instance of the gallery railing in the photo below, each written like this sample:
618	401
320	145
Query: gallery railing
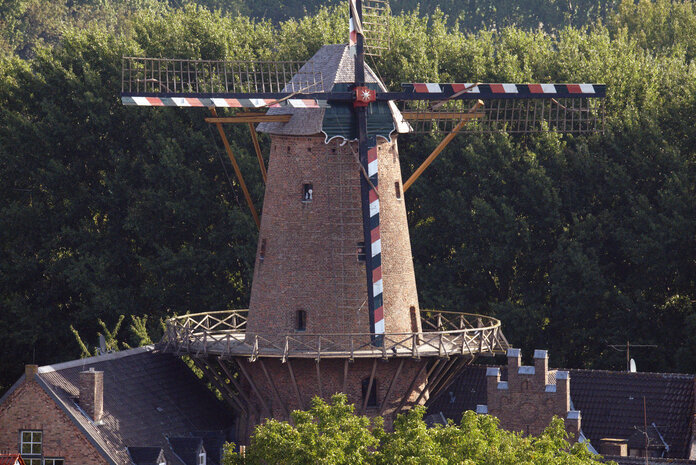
443	334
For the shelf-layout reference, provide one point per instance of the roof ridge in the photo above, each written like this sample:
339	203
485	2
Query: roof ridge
637	373
618	372
95	359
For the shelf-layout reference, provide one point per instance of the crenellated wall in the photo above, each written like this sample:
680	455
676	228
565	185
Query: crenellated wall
531	396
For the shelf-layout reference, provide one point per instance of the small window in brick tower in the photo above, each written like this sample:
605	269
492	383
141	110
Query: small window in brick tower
262	252
361	251
307	192
301	320
397	189
372	400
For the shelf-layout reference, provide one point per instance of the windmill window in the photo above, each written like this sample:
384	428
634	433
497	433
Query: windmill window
301	320
397	188
307	192
262	252
361	252
372	399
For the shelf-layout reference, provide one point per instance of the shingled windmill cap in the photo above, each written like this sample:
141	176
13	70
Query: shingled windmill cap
336	66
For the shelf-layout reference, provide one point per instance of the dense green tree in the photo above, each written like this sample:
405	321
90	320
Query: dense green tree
575	242
332	434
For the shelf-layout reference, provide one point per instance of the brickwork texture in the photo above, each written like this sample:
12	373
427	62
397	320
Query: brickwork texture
29	407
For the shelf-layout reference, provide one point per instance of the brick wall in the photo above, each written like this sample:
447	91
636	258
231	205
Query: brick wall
332	379
29	407
307	253
531	396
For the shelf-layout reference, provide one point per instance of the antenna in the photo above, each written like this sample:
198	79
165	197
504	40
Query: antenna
627	348
645	426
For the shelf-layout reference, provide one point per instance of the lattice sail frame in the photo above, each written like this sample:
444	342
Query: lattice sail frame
217	83
376	14
576	115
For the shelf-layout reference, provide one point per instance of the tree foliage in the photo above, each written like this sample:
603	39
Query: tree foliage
332	434
575	242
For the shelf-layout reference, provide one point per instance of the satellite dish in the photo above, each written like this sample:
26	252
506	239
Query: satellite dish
633	366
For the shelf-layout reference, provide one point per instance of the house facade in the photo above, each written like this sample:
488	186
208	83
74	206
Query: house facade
136	407
623	416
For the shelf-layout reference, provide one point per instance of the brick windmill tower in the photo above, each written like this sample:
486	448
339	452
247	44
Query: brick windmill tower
334	304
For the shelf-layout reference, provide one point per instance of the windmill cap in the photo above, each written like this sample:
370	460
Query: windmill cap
336	65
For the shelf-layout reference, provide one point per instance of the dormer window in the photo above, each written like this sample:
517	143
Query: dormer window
201	457
307	192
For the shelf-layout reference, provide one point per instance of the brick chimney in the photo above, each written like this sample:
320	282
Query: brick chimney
30	371
92	393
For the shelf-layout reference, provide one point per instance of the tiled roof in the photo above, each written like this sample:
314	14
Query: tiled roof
611	403
11	459
147	396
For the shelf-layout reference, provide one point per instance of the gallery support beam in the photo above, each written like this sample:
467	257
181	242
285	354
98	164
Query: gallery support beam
237	171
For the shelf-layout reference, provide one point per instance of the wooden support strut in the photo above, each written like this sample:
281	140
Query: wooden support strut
254	388
369	386
411	388
235	383
445	142
225	391
345	375
435	392
430	376
321	391
273	387
392	383
257	148
295	386
237	171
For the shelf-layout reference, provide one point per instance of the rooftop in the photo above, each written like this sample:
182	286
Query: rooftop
611	403
148	397
336	66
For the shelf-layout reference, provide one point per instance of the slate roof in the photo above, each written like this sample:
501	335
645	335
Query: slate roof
611	403
148	396
145	455
186	448
336	67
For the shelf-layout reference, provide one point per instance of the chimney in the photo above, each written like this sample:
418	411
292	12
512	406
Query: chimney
611	446
514	362
92	393
30	371
541	367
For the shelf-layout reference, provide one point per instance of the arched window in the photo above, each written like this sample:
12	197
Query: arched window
372	396
301	320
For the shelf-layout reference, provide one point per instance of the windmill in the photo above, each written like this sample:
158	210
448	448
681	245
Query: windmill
334	292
